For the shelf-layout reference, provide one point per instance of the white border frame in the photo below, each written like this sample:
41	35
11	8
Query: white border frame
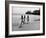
25	32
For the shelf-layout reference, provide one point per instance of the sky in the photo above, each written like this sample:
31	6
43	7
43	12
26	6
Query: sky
23	10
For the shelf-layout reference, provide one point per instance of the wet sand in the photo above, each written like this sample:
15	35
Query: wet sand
34	23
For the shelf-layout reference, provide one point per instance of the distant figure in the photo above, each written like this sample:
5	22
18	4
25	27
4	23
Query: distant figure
22	21
27	19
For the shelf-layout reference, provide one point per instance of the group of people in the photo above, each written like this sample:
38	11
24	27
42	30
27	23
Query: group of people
23	18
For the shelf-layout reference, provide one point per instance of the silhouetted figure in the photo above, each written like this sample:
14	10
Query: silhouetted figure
27	19
22	21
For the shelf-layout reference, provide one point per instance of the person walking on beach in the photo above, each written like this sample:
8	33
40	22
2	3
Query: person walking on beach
27	19
22	21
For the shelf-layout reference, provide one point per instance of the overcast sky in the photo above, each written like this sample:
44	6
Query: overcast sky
23	10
